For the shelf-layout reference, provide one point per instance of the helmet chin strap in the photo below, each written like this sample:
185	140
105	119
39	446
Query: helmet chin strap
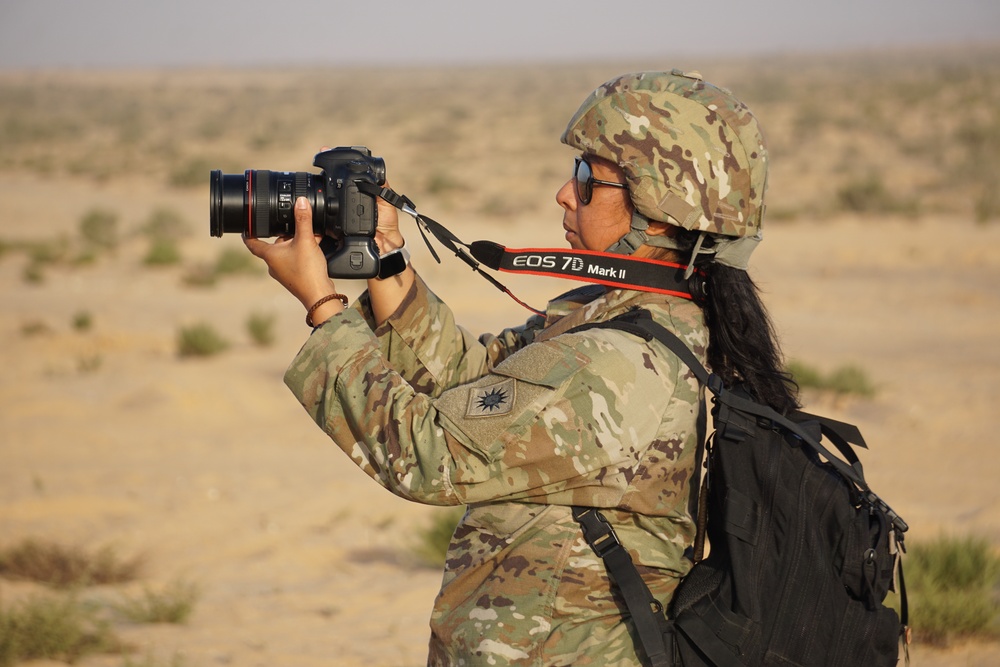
637	237
730	251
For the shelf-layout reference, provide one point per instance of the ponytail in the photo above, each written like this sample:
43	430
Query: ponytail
743	347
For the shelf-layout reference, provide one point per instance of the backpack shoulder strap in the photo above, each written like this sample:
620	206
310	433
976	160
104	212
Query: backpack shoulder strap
639	322
654	630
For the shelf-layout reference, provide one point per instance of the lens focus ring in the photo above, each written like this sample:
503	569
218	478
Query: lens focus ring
262	203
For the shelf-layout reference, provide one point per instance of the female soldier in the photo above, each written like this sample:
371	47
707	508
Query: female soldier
525	424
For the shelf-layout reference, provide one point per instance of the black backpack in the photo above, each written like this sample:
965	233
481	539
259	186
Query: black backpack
802	552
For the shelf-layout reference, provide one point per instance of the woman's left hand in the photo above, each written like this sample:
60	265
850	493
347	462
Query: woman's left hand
297	262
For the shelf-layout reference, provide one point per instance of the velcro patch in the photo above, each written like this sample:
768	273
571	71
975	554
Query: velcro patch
491	401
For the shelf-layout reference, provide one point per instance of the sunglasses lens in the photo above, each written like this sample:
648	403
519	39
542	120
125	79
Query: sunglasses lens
584	181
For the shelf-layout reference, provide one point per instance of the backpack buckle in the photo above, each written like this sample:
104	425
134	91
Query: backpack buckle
598	532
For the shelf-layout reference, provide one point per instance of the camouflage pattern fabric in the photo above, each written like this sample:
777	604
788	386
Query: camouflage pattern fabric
693	154
519	427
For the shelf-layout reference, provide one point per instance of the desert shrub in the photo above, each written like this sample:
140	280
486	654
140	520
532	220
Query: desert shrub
53	628
805	375
162	252
89	363
500	206
99	228
847	379
868	194
952	585
236	260
260	327
190	173
164	223
64	566
200	340
864	195
442	182
35	328
200	275
51	251
431	543
33	274
987	204
174	604
83	321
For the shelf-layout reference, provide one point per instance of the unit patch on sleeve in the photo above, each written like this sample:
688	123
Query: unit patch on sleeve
491	401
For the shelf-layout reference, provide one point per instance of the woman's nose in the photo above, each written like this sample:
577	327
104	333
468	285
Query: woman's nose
565	196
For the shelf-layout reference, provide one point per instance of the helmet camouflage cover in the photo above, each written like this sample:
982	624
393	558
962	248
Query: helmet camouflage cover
693	154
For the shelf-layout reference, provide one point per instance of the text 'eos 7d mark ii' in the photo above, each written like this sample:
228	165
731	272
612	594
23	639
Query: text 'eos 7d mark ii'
260	203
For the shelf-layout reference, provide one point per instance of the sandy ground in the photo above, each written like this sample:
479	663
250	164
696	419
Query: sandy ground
211	471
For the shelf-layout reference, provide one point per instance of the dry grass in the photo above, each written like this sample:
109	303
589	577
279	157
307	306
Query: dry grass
64	566
56	628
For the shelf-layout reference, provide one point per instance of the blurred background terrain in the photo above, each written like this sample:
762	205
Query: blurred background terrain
142	412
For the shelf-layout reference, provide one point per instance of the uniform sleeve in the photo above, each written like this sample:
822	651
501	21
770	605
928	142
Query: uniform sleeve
561	421
422	342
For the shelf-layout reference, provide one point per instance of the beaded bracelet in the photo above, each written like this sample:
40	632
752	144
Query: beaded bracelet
328	297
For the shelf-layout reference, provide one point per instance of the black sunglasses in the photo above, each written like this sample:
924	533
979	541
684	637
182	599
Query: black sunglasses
584	178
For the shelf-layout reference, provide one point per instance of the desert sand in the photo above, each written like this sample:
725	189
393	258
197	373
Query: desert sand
209	469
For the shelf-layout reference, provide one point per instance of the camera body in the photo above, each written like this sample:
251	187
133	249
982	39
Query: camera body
260	204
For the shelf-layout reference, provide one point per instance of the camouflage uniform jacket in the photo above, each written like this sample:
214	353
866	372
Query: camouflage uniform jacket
519	427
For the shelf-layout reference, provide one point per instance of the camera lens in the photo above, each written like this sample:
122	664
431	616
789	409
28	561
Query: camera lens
228	204
260	203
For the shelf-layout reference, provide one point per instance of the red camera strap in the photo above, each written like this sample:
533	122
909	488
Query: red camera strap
603	268
589	266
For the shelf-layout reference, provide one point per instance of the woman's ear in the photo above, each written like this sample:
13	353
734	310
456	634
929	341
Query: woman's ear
661	229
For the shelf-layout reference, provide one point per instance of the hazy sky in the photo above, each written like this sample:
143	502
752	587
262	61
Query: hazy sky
140	33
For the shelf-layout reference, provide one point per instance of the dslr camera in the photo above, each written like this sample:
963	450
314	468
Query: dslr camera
260	204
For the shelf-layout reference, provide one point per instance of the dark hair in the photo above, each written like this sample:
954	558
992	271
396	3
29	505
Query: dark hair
743	347
742	344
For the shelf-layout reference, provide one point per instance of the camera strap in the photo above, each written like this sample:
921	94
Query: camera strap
590	266
610	269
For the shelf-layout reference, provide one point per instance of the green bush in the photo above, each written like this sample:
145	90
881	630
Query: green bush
952	585
165	223
162	252
850	380
99	228
34	273
66	567
260	326
34	328
869	195
236	260
987	204
200	340
192	173
83	321
54	629
843	380
174	604
442	182
200	275
431	545
52	251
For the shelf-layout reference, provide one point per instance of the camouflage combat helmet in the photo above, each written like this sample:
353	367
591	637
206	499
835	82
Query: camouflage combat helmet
694	156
